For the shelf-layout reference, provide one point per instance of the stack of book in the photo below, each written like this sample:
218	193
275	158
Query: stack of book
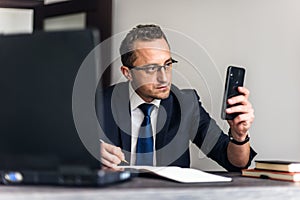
275	169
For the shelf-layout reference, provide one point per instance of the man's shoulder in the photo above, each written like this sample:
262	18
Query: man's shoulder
117	93
183	93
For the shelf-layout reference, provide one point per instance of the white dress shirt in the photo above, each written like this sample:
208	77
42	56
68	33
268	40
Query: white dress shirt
137	117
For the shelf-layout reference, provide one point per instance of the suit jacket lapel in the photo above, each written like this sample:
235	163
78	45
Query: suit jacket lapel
121	112
163	124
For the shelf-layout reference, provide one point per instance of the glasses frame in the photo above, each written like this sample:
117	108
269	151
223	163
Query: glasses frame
157	67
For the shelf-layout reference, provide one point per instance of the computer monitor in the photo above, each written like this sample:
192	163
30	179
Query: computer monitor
37	73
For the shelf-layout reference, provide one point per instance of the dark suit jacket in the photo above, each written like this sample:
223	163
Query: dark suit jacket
181	119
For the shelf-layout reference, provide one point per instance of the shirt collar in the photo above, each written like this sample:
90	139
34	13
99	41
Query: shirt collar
136	100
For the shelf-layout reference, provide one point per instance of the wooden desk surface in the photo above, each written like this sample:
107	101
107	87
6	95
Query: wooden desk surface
156	188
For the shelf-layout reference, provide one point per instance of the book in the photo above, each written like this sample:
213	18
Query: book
179	174
276	175
278	165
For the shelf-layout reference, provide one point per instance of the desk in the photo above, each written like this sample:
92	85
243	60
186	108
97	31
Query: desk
156	188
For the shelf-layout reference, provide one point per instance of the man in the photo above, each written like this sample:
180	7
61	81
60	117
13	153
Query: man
176	116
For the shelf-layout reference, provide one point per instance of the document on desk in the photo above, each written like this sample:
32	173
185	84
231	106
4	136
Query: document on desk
183	175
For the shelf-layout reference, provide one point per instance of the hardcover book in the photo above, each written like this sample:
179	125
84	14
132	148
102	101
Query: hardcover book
276	175
278	165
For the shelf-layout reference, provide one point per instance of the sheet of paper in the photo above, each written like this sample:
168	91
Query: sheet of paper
183	175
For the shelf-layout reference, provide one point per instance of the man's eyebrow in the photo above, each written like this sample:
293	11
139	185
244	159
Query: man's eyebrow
170	59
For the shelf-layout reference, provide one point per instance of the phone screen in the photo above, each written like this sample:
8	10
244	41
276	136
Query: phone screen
234	79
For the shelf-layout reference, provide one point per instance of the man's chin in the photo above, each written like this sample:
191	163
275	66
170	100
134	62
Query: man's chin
162	96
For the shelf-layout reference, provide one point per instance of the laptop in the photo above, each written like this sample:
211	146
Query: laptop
39	143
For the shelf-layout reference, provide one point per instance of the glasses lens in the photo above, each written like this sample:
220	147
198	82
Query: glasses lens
151	69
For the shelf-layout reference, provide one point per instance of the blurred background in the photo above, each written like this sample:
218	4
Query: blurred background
206	37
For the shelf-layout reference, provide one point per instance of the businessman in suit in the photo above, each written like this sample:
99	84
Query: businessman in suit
149	121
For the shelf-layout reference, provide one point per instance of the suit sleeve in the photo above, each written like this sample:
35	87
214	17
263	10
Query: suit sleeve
212	140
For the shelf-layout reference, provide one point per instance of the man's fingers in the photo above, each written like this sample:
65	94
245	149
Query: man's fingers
107	163
243	119
118	169
111	155
237	100
240	109
240	99
117	151
244	91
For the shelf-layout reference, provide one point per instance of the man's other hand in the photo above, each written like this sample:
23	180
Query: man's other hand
111	156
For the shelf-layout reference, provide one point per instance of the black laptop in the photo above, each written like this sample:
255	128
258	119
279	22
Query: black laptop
39	143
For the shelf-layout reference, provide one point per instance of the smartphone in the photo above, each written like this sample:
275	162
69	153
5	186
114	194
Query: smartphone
234	78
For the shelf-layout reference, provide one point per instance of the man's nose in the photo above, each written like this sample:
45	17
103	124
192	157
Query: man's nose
162	75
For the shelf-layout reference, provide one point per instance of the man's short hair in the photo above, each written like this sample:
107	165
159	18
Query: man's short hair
148	32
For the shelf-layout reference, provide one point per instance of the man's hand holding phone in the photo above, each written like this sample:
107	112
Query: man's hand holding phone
242	122
236	108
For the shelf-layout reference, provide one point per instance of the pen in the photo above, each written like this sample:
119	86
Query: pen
125	161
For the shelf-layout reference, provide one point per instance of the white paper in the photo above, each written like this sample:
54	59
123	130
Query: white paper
183	175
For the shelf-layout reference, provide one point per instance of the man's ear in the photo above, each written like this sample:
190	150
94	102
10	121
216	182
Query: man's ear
126	72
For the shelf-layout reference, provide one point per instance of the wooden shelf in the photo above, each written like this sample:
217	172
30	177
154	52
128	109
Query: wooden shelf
20	3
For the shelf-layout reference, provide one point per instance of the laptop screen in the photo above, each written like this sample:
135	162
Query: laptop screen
37	73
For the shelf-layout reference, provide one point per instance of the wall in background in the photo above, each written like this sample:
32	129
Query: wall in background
16	20
261	35
71	21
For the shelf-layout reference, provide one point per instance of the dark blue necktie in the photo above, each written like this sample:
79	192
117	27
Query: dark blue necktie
144	148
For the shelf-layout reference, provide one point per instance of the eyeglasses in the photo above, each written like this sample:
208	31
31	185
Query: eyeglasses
154	68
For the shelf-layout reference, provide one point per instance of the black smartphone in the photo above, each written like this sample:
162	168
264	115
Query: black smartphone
234	78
